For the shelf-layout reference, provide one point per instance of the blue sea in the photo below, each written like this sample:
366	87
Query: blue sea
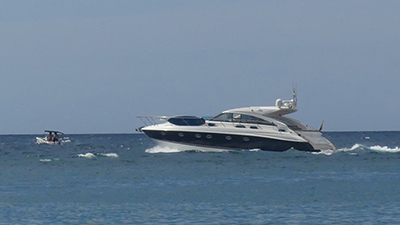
126	179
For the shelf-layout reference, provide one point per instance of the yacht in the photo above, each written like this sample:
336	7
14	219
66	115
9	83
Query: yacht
261	127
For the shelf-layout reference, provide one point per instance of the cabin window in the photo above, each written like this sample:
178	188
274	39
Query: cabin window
252	119
241	118
288	123
223	117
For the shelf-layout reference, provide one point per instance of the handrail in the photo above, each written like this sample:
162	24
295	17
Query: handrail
152	120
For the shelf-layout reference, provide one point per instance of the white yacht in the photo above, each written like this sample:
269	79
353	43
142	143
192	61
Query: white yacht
261	127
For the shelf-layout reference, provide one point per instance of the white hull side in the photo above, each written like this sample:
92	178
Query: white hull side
42	141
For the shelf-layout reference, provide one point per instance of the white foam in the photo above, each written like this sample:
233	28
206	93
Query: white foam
45	160
354	147
324	152
331	152
87	155
112	155
166	149
162	149
376	148
379	148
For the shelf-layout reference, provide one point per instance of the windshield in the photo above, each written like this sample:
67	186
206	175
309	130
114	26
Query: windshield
186	121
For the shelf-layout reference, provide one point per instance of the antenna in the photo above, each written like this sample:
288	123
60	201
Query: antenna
322	125
294	87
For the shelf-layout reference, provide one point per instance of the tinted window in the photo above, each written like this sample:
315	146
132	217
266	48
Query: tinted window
252	119
224	117
187	121
240	118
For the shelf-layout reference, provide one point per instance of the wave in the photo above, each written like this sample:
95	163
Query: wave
94	155
45	160
385	149
87	155
375	148
111	155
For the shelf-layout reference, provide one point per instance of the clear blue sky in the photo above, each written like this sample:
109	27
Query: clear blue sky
92	66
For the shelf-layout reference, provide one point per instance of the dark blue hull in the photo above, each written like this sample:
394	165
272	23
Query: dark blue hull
227	141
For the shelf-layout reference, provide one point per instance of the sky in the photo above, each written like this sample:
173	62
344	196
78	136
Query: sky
93	66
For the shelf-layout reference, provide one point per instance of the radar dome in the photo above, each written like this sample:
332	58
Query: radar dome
279	103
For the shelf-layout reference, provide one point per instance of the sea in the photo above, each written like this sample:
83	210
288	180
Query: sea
127	179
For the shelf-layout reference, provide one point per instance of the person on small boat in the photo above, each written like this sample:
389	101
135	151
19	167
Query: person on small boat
55	137
50	136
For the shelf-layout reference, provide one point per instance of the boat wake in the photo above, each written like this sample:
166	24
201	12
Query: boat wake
165	149
160	149
375	148
356	148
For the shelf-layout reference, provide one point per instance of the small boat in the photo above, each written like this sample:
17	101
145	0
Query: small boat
52	138
261	127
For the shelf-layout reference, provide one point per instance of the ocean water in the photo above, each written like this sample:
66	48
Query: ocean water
126	179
